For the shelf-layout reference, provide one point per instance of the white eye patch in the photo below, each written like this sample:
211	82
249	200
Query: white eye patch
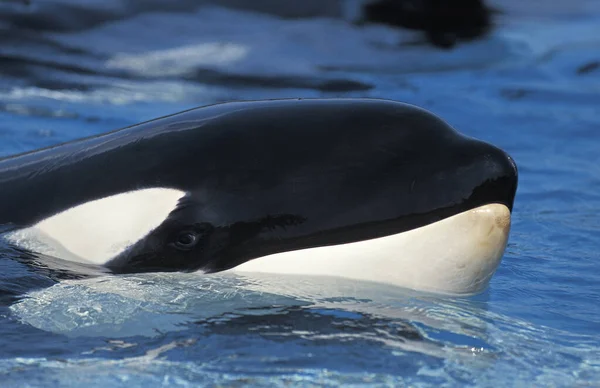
97	231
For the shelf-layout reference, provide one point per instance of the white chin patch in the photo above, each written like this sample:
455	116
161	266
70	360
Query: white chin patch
95	232
457	255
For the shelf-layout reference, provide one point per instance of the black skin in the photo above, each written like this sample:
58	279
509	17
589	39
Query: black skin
267	176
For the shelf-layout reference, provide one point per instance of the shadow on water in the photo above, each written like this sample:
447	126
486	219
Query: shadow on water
22	272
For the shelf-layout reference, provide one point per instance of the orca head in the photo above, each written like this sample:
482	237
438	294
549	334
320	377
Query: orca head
415	204
370	190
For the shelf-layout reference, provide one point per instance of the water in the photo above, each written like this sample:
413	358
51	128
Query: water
532	87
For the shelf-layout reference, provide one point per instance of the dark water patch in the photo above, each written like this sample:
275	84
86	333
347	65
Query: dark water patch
18	66
35	41
444	23
212	77
288	10
513	94
588	67
63	16
313	337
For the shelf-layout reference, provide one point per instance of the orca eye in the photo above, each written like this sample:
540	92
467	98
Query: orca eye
186	240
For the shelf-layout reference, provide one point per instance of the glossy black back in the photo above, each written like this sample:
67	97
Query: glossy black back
270	176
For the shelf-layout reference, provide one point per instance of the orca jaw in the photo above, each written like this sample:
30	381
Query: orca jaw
457	255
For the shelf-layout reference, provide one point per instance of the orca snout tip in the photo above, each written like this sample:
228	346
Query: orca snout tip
512	177
512	171
499	176
496	215
513	164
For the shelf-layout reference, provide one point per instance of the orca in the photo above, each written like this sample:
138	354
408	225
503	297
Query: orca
365	189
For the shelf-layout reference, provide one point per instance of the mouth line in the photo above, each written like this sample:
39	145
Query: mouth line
343	235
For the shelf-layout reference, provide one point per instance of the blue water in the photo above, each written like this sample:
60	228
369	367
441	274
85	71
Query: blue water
532	87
